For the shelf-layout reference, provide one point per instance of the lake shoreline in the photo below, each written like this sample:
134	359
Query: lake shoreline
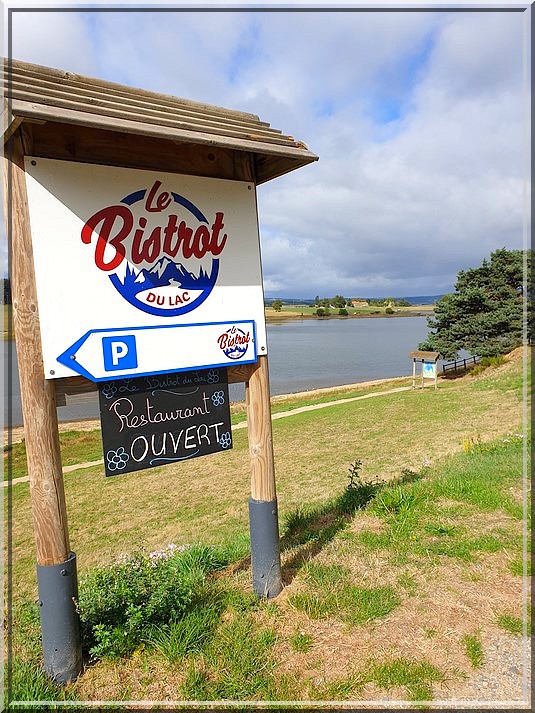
282	317
91	424
274	317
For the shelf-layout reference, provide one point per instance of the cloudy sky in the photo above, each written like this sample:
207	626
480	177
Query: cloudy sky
419	120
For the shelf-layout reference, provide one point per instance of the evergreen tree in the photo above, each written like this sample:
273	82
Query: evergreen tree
485	313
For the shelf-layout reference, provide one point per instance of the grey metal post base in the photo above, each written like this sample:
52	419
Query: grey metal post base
60	625
265	553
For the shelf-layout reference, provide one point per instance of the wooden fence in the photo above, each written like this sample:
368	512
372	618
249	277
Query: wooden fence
460	364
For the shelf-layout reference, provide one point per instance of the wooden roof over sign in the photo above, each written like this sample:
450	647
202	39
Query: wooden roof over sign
424	356
42	94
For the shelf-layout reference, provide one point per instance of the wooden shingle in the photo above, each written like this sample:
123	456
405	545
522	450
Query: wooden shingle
40	94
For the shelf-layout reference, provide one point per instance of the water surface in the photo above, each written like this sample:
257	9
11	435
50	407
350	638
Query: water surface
303	354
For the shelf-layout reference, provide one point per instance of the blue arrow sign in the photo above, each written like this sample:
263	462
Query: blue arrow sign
106	354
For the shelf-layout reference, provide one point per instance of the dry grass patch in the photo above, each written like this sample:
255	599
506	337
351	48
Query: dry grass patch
450	601
364	521
134	679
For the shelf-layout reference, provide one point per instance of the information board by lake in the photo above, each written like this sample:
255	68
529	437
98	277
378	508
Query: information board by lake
155	420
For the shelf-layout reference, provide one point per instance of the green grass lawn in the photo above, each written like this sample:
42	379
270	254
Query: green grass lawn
393	587
86	446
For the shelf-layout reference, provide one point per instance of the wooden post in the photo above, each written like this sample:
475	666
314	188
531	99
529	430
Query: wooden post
260	435
263	518
40	426
414	373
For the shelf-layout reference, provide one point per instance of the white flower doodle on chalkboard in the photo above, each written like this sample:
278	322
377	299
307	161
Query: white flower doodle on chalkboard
109	390
218	398
212	377
117	459
225	441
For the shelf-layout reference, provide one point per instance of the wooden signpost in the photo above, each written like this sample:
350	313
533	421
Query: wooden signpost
135	257
428	361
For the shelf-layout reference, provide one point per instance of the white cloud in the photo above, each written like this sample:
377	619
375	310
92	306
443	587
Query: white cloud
55	39
416	117
439	194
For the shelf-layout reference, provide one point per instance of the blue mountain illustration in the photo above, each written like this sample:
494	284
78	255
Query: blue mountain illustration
236	352
164	273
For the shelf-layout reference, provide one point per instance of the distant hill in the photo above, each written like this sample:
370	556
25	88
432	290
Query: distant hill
422	299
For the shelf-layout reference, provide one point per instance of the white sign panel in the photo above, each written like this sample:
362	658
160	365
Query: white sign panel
142	254
101	355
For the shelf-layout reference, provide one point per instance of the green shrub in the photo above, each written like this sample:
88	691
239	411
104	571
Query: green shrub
343	312
487	362
120	605
389	310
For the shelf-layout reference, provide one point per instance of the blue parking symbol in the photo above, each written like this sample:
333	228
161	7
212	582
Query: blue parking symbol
119	352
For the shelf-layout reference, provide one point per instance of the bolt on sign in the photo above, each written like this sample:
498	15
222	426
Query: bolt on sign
145	272
155	420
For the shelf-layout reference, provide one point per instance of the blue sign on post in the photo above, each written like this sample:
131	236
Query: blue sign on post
119	352
429	370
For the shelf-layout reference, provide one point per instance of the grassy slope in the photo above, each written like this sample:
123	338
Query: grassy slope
426	551
387	433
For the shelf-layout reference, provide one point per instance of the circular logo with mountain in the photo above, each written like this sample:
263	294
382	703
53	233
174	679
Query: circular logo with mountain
160	252
234	342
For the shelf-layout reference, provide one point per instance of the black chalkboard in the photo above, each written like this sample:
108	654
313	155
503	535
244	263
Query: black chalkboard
153	420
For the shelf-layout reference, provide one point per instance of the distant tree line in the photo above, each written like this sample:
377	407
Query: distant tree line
339	301
384	302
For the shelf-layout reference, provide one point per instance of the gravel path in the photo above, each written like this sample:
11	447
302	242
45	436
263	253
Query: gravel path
503	681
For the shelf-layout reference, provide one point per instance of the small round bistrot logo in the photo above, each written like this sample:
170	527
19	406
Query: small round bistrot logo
234	342
160	252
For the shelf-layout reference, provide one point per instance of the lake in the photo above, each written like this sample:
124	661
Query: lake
303	354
